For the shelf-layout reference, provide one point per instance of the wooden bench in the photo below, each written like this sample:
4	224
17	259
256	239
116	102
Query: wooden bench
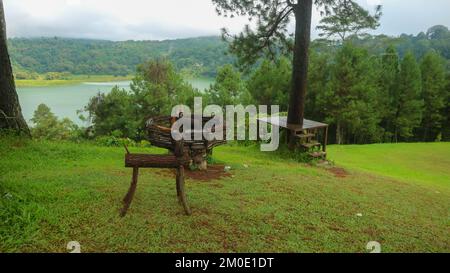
177	161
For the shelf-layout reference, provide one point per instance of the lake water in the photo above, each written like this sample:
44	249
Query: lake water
64	101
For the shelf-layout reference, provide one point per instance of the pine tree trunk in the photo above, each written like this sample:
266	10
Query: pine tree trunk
396	135
426	134
303	13
338	133
10	111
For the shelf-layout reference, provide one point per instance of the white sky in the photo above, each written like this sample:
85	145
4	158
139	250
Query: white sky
169	19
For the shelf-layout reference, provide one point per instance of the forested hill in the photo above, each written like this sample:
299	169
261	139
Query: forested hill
200	56
197	56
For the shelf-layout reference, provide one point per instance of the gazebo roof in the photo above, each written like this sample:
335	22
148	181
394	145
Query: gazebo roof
282	122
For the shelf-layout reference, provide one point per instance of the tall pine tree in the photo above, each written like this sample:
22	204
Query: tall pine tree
388	96
347	19
434	96
351	98
269	82
228	89
446	129
409	106
318	78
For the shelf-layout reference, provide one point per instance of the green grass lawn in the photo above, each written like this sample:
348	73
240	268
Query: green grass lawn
422	163
52	193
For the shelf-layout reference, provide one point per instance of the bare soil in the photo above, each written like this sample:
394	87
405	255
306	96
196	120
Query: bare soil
214	172
338	172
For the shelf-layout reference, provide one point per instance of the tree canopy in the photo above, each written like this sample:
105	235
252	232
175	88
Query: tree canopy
348	18
271	35
228	89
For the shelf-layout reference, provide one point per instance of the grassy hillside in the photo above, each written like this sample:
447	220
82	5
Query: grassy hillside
52	193
422	163
72	80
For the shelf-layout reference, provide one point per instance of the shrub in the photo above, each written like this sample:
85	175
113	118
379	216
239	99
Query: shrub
47	126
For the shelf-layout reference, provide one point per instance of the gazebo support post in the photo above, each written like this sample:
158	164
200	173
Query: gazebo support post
325	141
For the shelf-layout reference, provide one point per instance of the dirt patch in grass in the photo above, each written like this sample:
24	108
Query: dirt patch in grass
214	172
338	172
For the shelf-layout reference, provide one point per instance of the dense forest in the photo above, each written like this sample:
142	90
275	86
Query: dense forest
196	56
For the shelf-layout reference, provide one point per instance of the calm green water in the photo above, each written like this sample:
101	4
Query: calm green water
201	83
64	101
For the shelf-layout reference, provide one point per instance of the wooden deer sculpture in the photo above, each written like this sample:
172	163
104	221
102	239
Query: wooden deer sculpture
176	161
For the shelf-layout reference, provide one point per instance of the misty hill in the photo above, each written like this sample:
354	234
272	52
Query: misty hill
196	56
200	56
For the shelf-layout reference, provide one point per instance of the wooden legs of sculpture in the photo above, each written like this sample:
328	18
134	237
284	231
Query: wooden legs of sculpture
181	193
129	197
137	161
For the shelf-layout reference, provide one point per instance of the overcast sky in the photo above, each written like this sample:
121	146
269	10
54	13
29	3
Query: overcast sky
169	19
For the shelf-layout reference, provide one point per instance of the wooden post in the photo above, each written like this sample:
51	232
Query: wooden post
129	197
325	141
